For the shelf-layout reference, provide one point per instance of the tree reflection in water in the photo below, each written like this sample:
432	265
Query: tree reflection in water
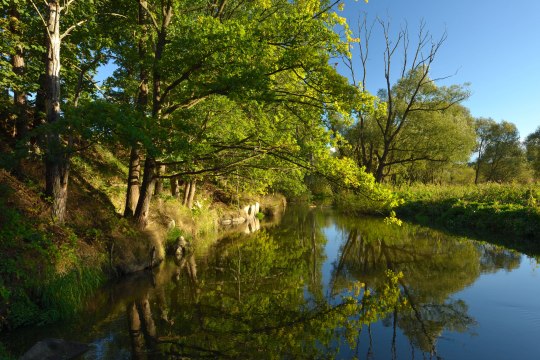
434	266
266	295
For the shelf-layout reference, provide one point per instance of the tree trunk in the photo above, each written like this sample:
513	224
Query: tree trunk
149	177
17	61
147	189
174	187
379	174
135	332
192	189
56	158
187	189
159	182
132	196
477	172
56	180
381	165
133	188
149	323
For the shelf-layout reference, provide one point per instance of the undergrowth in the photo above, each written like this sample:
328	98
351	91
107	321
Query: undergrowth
503	209
41	279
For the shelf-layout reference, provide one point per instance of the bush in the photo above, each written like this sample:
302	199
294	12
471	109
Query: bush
349	202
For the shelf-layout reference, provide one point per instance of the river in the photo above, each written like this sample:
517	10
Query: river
317	285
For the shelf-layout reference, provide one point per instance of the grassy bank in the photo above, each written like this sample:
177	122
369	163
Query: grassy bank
47	272
503	211
506	214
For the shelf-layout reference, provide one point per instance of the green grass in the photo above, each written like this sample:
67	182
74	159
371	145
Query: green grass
40	281
515	194
507	211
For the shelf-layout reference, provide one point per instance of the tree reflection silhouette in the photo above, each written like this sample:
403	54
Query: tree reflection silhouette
263	295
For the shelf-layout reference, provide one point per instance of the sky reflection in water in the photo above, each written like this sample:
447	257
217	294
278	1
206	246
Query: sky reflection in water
293	291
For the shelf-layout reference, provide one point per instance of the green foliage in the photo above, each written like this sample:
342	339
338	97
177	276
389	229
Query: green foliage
41	281
532	145
4	354
505	210
500	155
413	128
349	202
62	295
256	305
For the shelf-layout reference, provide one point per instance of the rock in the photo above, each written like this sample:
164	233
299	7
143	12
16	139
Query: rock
257	208
238	220
181	247
181	241
252	226
251	210
55	349
171	225
226	222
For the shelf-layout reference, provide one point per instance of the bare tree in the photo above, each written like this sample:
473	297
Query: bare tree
415	91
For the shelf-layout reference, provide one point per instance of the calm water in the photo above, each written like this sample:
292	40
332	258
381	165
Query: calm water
319	285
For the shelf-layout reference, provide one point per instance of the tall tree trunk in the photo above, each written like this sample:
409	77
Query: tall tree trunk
147	188
379	174
382	165
149	177
149	323
56	180
192	189
132	196
133	184
56	158
135	332
18	64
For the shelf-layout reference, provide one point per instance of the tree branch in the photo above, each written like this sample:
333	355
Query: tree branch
70	29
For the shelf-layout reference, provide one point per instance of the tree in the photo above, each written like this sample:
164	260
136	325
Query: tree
532	144
57	163
252	56
414	101
483	137
500	155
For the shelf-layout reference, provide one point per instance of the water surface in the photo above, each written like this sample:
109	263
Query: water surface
318	285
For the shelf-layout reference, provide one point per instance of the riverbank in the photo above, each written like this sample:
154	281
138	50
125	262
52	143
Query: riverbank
495	211
279	293
48	271
505	214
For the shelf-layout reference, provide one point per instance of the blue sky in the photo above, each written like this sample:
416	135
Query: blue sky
494	45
